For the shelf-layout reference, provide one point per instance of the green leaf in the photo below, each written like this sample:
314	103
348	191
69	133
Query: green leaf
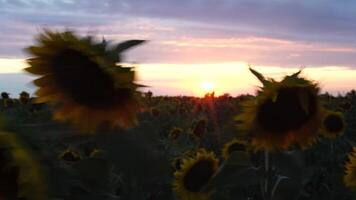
127	44
258	75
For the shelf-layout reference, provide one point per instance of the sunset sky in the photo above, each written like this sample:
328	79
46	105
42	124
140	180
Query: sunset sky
197	44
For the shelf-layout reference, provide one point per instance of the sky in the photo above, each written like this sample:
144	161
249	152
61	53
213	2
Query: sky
194	43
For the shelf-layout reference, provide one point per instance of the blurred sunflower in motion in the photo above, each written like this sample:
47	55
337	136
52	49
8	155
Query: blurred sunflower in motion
82	78
284	113
233	145
350	167
333	124
20	174
194	173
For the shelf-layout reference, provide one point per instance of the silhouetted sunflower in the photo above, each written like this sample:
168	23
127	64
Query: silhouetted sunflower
233	145
350	167
83	79
5	95
283	114
24	97
333	124
194	174
20	174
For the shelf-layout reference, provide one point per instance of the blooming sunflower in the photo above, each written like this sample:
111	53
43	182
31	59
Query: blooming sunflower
70	155
233	145
194	173
175	133
333	124
82	78
284	113
20	174
350	176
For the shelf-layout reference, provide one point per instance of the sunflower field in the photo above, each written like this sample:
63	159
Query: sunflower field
89	133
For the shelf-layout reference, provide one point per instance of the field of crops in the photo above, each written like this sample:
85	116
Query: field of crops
88	134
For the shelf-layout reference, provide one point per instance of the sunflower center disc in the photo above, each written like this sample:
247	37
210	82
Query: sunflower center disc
198	175
287	112
85	81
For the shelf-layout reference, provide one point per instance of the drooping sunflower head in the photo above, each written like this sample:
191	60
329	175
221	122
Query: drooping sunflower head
232	146
81	77
350	167
194	173
283	114
333	124
20	173
175	133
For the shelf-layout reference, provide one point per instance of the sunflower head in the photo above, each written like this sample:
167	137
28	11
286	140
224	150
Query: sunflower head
97	153
194	173
24	97
283	114
175	133
83	79
333	124
233	145
5	95
199	128
70	155
350	170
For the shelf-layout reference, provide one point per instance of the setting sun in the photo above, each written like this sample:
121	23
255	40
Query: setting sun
207	87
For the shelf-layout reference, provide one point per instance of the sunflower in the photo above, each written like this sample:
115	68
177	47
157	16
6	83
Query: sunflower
194	173
333	124
283	113
350	176
175	133
24	97
199	128
70	155
82	78
5	95
20	174
233	145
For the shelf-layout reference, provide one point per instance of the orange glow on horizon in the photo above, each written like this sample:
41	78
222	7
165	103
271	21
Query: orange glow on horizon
233	78
206	87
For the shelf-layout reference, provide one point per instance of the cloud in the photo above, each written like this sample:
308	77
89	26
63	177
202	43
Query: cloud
262	32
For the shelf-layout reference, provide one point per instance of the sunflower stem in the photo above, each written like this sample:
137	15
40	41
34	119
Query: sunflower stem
267	188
